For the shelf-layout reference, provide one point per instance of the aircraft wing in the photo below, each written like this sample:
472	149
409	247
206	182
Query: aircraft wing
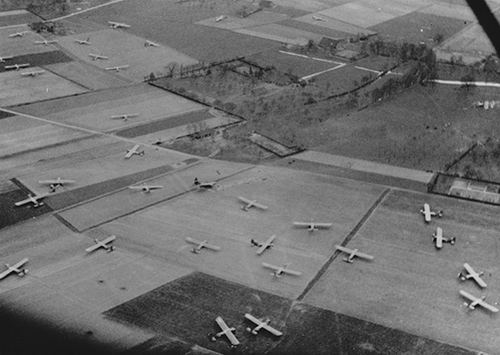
272	267
21	263
469	268
488	306
292	272
272	330
364	256
193	241
252	318
5	273
344	249
92	248
468	295
108	239
212	247
129	154
23	202
301	224
323	225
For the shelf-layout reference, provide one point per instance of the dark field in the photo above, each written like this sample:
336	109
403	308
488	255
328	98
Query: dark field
85	193
287	63
186	309
37	59
10	214
165	123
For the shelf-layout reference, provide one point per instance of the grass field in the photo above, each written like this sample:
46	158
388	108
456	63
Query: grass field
94	110
220	220
410	284
288	63
419	27
87	75
330	31
174	24
364	13
37	59
17	17
338	28
20	134
124	49
440	123
16	89
21	45
193	302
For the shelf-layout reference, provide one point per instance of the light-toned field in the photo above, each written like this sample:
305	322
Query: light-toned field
126	201
94	110
413	286
183	130
87	75
218	218
18	134
231	22
333	23
174	24
280	33
98	164
123	48
16	89
462	12
69	288
16	17
470	40
365	13
21	45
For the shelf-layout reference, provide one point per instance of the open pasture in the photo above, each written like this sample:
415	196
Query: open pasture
412	286
87	75
435	120
98	164
471	40
232	22
280	33
217	217
181	129
419	27
457	11
19	134
288	62
37	59
94	110
16	46
174	24
123	48
344	28
17	89
126	201
17	17
367	13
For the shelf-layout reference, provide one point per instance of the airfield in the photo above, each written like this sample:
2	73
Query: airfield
152	293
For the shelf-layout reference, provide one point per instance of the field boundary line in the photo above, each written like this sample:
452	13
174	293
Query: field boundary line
85	10
148	205
346	240
91	131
